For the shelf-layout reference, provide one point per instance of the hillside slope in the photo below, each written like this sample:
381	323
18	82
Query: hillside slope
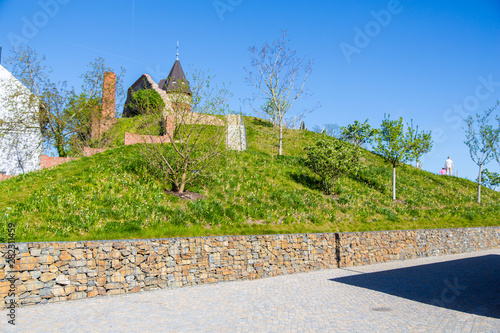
116	194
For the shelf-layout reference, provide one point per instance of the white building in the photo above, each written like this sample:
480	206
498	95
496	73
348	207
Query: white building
20	134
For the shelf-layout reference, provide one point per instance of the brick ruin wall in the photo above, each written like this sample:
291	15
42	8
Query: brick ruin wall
131	139
5	177
49	161
60	271
45	163
87	151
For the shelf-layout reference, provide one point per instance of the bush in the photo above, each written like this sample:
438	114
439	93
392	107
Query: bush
146	102
331	160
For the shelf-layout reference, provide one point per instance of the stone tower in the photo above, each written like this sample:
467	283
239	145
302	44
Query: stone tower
177	88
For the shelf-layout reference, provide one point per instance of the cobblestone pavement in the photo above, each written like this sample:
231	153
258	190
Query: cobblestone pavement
455	293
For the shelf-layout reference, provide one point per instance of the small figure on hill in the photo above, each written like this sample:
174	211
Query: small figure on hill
449	166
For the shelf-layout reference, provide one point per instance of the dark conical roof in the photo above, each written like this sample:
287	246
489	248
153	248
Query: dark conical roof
176	75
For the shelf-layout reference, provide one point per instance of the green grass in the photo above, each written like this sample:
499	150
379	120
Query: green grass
117	195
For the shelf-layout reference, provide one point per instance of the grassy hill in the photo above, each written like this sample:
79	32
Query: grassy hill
116	194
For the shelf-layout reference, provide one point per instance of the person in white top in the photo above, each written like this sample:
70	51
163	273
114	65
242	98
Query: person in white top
449	166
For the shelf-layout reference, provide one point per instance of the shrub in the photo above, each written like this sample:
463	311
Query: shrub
146	101
331	160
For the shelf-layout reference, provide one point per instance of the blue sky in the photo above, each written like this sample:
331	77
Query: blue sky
430	61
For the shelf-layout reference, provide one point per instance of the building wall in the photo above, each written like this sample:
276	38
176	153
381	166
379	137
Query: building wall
60	271
20	135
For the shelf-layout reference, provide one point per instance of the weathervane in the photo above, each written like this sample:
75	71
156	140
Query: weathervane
177	50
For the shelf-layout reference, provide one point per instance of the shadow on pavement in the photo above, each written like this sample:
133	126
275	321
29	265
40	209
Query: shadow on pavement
469	285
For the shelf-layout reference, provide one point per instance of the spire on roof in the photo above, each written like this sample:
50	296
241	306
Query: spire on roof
176	75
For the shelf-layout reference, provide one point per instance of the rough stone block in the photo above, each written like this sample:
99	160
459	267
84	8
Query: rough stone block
64	256
58	291
45	277
62	279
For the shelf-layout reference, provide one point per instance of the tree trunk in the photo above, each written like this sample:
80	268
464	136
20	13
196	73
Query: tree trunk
183	182
60	147
479	185
280	151
393	183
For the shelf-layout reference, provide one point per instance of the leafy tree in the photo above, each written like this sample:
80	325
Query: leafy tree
392	145
279	77
93	78
358	133
490	179
332	159
482	140
497	145
185	155
419	143
146	101
64	115
86	108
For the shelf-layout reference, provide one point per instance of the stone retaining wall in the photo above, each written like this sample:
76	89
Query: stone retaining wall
365	248
59	271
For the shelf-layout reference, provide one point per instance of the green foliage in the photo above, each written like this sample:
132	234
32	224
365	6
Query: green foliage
331	160
64	115
490	179
146	101
482	139
391	141
419	143
358	133
392	145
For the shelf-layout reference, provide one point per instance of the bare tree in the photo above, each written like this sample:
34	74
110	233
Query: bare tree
482	139
195	130
279	77
333	130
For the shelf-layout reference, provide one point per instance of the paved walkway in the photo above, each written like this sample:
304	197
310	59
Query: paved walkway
456	293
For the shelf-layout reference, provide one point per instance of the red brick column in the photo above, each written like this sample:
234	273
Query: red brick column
107	118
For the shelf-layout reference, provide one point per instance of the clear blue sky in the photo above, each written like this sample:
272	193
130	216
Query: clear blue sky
430	61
